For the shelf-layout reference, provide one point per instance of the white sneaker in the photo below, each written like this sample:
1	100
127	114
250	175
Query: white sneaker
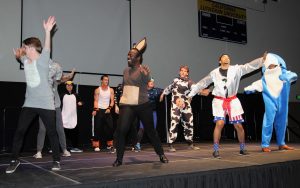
171	148
38	155
66	153
75	150
193	147
97	149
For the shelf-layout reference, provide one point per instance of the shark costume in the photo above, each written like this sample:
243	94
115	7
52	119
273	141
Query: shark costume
275	88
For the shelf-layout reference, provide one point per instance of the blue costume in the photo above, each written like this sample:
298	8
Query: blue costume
153	95
275	87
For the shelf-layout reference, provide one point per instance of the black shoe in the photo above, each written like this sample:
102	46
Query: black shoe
12	166
243	152
117	163
56	166
163	159
216	155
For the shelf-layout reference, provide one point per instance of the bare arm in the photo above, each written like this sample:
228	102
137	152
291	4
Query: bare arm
111	104
96	98
112	97
48	26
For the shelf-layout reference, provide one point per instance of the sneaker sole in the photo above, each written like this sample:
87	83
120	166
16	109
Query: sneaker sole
55	169
12	171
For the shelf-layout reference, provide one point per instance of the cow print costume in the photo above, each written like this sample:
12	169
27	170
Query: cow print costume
179	88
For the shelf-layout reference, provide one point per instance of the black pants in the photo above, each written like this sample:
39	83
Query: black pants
127	115
132	135
103	127
72	137
26	117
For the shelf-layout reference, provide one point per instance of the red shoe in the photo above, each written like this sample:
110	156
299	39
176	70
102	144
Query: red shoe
266	149
285	147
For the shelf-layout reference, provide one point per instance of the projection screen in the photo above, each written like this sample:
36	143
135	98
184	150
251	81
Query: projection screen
92	36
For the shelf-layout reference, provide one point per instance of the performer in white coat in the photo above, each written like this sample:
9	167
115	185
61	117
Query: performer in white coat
226	80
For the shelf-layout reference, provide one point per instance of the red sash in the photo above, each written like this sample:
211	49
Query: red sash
226	102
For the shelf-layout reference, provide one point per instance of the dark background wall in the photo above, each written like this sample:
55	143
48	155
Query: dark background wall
12	98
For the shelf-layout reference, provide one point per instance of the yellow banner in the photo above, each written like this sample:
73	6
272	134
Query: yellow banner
222	9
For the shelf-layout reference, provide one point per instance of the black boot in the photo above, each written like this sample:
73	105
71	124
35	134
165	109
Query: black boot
117	163
163	159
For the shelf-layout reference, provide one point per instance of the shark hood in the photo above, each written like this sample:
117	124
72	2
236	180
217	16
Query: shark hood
275	60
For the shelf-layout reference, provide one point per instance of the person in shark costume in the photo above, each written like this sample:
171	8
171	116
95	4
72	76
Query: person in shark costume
275	87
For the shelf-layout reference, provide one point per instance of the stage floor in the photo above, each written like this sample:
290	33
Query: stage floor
91	168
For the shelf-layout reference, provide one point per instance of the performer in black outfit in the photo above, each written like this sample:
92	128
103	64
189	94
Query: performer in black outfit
135	103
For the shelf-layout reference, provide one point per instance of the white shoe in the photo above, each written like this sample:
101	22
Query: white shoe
97	149
38	155
171	148
193	147
76	150
66	154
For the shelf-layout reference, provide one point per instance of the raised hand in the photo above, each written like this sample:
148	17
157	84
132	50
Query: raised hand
19	52
67	77
180	103
72	72
117	110
107	111
161	98
49	24
145	69
265	56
